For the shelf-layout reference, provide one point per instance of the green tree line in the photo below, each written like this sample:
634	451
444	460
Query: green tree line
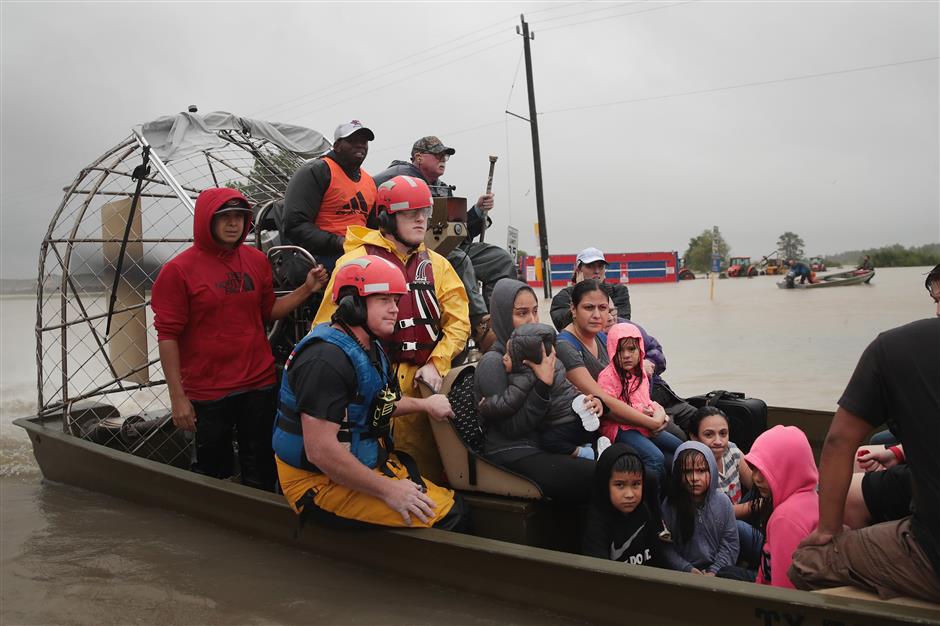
890	256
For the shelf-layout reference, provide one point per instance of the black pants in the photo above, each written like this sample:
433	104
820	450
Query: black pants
561	477
564	438
250	417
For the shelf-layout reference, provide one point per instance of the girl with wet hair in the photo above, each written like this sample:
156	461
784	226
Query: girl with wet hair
709	425
701	520
626	380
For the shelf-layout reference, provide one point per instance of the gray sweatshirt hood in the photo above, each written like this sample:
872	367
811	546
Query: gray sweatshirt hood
504	295
709	457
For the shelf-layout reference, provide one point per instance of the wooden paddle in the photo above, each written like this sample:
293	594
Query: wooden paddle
489	190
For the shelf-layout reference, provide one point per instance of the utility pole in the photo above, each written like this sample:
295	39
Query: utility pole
536	158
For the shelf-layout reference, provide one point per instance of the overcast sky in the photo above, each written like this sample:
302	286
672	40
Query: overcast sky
657	120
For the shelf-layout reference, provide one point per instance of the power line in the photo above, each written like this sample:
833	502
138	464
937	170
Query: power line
368	76
610	7
611	17
514	77
741	85
361	78
358	79
397	80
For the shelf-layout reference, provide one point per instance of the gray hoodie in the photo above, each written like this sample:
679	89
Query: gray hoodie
714	544
526	342
511	434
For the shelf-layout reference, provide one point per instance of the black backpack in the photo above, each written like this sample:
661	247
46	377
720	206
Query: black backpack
466	420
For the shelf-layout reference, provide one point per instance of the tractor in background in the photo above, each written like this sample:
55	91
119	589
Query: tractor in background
740	266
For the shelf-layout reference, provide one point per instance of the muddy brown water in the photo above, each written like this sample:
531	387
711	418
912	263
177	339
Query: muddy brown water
77	557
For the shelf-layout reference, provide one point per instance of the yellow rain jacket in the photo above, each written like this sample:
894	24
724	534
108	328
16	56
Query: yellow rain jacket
412	433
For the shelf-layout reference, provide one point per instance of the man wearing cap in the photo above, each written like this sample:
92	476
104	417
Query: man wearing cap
473	260
210	304
590	264
329	194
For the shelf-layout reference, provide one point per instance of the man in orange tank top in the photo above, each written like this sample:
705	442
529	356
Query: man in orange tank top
329	194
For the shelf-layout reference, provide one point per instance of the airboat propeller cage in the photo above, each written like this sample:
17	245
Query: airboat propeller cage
123	217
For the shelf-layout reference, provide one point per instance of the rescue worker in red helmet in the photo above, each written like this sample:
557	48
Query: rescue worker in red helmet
472	260
433	323
332	439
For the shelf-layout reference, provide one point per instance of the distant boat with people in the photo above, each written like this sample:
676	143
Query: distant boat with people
839	279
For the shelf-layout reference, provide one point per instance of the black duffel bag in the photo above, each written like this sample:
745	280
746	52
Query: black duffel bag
747	417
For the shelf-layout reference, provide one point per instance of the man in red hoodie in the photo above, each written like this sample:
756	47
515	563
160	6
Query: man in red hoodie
210	304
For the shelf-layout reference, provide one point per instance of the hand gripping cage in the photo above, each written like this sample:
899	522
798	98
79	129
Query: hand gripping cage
126	214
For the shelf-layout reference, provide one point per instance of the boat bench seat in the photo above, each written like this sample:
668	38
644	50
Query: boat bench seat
465	468
856	593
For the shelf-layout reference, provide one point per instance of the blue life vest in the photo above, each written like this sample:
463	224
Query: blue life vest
367	416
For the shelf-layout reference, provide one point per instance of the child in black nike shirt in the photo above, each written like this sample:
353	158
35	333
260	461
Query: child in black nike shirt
624	521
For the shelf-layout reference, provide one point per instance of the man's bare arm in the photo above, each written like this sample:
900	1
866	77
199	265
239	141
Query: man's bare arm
836	466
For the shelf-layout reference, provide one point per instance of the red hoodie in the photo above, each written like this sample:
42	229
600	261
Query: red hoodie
214	301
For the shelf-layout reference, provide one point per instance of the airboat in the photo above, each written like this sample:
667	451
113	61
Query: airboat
103	420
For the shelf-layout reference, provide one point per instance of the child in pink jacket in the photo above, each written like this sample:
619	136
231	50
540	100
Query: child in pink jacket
625	379
784	472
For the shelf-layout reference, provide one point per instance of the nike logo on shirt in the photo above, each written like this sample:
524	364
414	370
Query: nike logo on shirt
616	553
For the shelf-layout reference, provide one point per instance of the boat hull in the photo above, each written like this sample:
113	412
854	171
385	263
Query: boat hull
842	279
592	589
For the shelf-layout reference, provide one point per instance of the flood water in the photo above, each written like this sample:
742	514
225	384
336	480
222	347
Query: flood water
73	556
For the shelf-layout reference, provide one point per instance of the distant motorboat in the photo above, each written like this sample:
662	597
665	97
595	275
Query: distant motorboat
839	279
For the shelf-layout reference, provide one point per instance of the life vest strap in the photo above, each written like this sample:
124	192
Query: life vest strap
410	466
424	286
289	422
409	322
412	346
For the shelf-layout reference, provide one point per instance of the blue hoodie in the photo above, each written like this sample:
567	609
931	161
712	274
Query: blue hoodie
714	544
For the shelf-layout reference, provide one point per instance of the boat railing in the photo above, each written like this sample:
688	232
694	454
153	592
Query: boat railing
119	221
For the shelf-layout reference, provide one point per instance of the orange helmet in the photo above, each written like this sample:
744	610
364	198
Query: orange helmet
402	193
369	275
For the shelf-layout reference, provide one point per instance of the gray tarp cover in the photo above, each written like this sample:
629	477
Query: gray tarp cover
181	135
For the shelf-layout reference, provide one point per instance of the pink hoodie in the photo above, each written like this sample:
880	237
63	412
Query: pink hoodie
783	455
609	380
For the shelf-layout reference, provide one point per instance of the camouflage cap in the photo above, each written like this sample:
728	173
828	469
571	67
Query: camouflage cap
432	145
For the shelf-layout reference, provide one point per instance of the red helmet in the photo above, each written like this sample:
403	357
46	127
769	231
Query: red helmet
370	275
403	193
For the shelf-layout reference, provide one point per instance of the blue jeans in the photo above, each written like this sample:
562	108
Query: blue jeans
652	450
751	541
